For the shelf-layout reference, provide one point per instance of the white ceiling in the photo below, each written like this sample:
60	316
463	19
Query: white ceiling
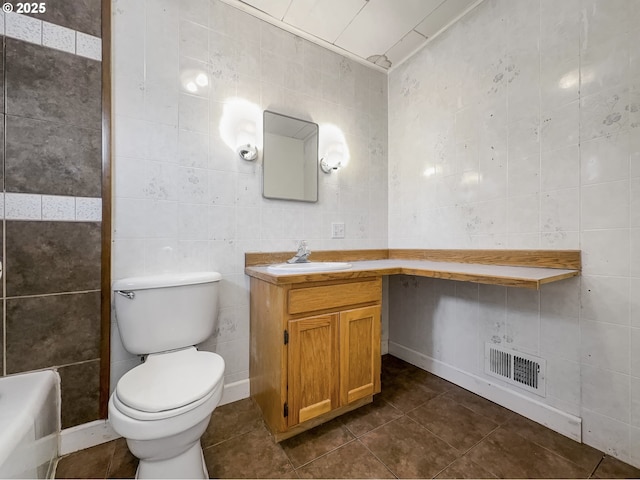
384	32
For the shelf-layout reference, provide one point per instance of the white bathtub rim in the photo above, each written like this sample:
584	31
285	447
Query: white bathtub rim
11	423
17	417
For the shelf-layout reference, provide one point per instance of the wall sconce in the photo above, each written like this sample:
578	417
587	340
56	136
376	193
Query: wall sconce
241	128
334	149
332	158
245	141
247	152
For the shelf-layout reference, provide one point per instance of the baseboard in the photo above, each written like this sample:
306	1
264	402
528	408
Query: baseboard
95	433
557	420
235	391
384	347
85	436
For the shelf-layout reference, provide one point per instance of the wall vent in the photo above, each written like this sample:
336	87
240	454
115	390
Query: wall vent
519	369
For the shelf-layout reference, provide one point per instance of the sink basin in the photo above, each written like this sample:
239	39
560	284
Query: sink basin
308	267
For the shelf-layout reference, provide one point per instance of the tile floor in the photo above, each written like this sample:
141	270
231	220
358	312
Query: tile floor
420	426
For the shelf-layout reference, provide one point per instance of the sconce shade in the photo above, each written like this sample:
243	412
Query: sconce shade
247	152
334	158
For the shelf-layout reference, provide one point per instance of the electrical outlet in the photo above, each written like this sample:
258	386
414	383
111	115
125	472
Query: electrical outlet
337	230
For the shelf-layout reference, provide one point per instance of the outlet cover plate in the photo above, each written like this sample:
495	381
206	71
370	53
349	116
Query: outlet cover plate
337	230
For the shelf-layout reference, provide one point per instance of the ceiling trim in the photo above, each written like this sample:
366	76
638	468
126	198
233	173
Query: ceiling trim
307	36
435	35
330	46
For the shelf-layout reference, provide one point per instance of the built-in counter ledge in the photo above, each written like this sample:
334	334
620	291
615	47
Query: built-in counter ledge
509	268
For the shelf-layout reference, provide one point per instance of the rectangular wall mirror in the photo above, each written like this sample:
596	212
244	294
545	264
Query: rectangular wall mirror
290	158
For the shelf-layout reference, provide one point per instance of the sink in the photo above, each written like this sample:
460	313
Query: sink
308	267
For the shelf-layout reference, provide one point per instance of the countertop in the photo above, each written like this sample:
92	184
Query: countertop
505	275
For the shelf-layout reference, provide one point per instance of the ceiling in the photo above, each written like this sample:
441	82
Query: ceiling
380	32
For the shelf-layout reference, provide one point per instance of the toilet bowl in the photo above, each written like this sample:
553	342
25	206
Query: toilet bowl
163	406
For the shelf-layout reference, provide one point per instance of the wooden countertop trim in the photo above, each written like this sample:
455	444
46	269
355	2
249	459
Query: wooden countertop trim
493	274
262	274
568	259
268	258
487	279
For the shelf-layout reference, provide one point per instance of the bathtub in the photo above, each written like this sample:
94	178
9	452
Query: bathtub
29	424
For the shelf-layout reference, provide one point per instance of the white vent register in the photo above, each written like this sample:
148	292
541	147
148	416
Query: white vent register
519	369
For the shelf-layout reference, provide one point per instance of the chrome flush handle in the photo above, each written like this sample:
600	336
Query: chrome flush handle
125	293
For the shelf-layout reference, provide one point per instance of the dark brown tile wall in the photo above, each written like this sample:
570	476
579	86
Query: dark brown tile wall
50	144
52	85
1	336
2	129
52	330
80	392
81	15
2	42
66	256
52	158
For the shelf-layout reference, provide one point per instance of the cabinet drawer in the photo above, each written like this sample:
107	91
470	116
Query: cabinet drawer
323	297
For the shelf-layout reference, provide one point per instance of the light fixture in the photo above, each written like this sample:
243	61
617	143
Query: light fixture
247	152
333	147
240	128
332	159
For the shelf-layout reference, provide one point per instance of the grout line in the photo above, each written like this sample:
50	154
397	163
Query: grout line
82	362
236	436
18	297
54	121
434	434
596	467
547	446
377	458
110	462
324	454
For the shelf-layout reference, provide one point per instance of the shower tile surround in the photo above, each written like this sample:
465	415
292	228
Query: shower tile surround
51	205
512	111
526	115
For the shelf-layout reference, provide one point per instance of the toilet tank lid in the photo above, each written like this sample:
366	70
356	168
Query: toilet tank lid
165	280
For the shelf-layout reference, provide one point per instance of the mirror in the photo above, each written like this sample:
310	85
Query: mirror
290	158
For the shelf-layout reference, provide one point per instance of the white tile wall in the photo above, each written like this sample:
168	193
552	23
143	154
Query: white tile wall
27	206
526	130
184	200
60	38
32	30
525	118
23	27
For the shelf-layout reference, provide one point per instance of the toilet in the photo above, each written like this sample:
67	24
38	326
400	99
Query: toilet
163	406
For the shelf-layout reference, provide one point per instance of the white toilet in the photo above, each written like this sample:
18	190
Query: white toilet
163	406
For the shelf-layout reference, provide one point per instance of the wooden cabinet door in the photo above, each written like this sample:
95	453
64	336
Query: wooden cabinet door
359	353
313	367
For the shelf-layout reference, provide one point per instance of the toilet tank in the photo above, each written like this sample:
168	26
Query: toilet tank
165	312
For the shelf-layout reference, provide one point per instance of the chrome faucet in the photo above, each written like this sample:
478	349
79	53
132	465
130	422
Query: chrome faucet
302	256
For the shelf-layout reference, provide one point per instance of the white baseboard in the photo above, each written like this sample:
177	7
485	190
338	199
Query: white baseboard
85	436
95	433
557	420
384	346
235	391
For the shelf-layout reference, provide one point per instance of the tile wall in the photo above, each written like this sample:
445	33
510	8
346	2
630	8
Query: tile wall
51	200
525	119
183	200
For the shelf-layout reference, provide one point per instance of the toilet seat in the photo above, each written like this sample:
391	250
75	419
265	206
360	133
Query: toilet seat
169	384
148	416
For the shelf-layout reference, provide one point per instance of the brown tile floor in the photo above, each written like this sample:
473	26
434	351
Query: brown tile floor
420	426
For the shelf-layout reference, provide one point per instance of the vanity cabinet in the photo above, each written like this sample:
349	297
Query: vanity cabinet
315	350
